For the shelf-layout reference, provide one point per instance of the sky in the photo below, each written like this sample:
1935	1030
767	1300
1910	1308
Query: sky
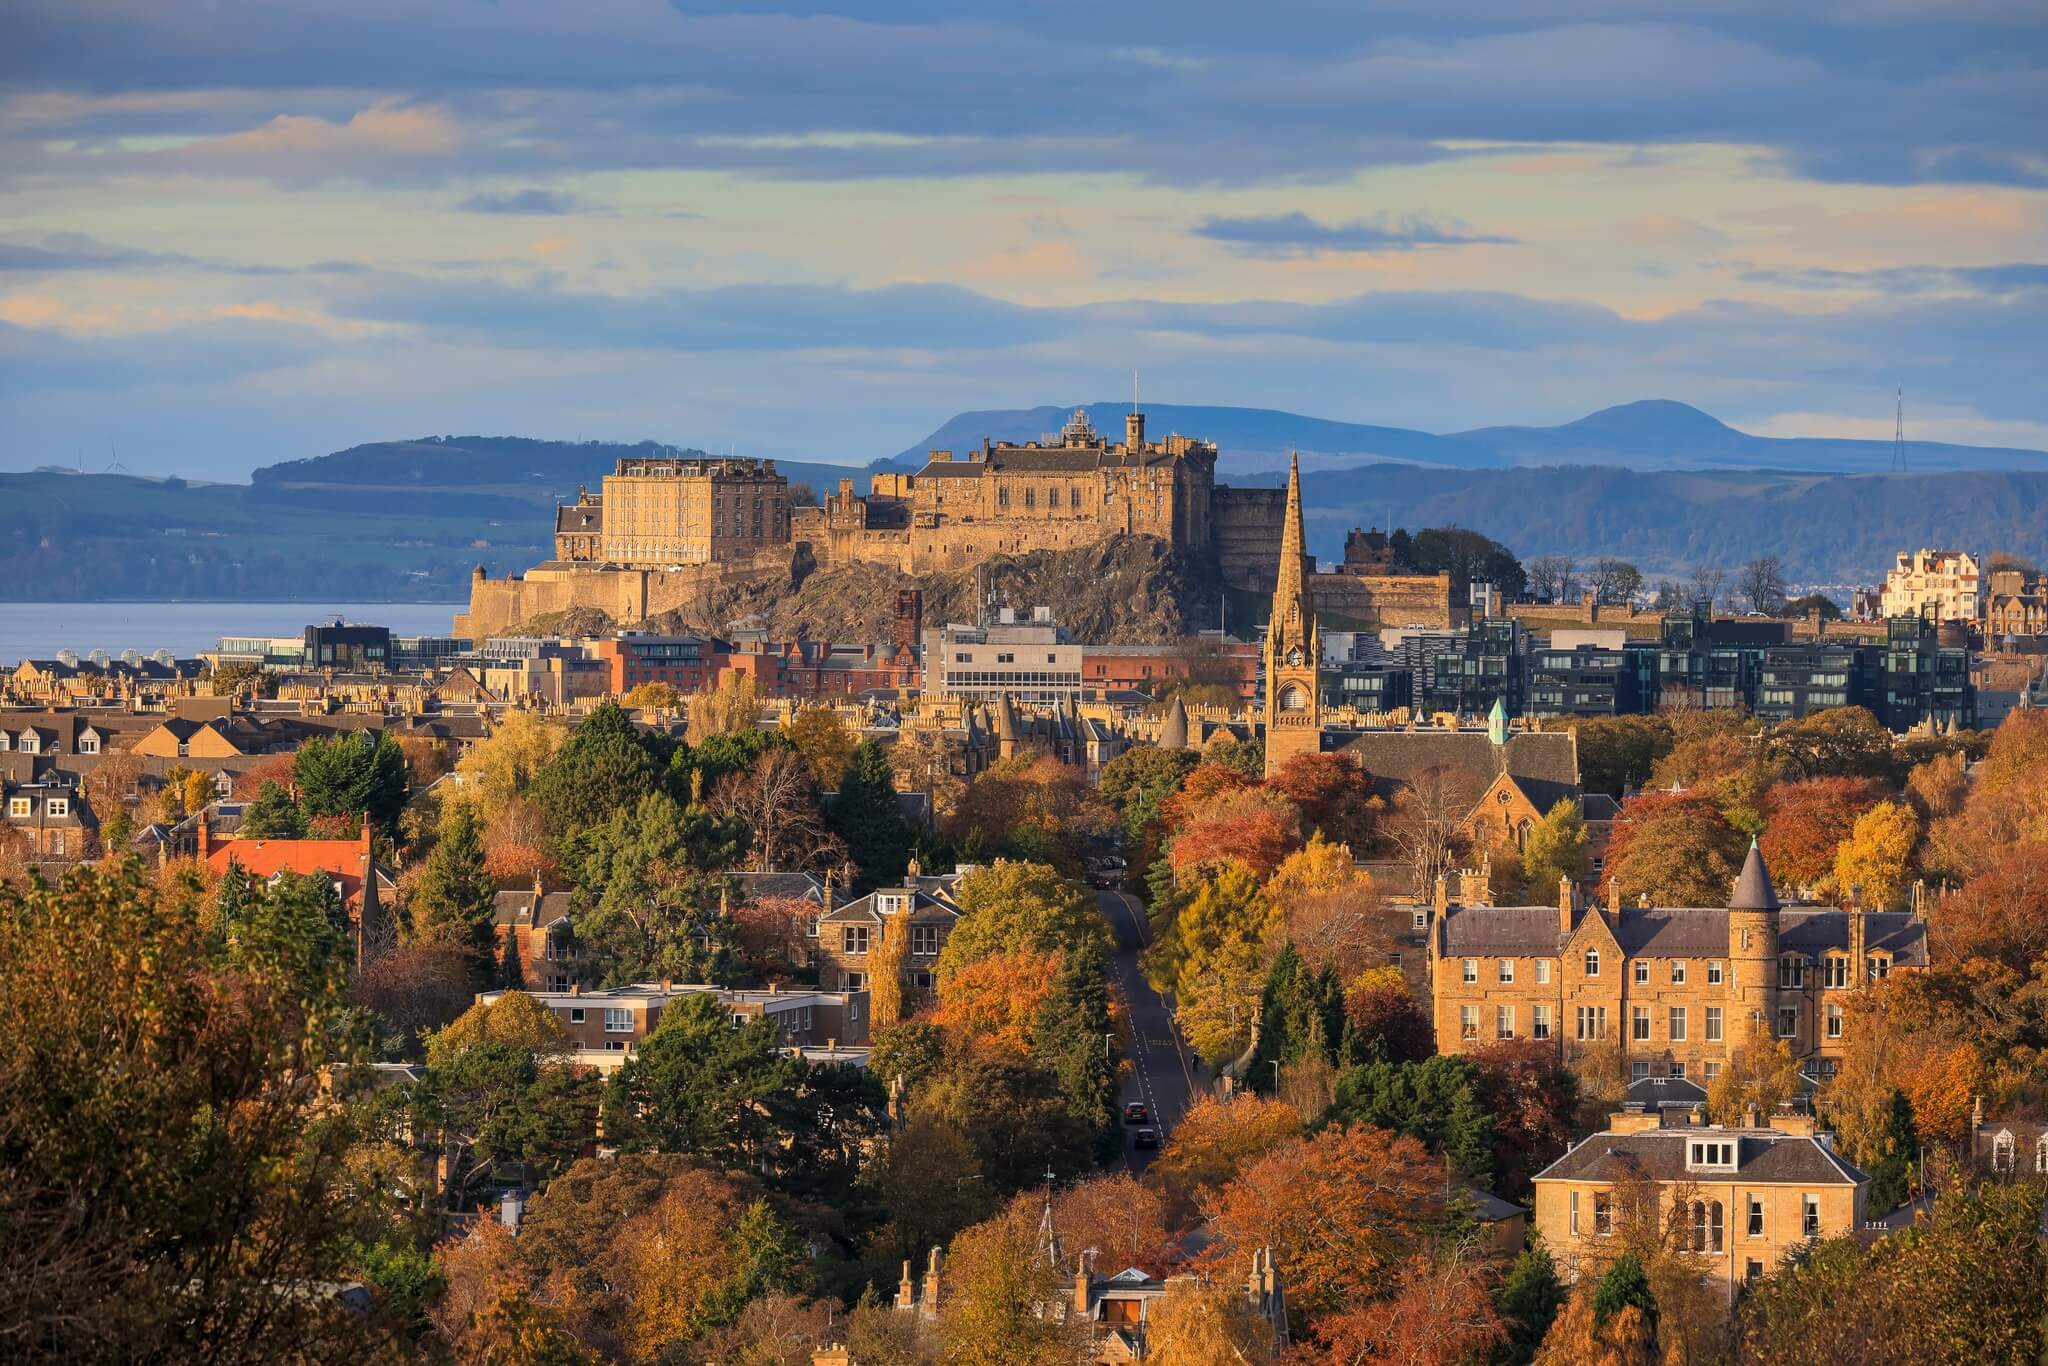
244	231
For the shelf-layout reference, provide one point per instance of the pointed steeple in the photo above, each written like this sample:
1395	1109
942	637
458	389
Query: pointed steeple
1497	723
1753	890
1291	537
1293	713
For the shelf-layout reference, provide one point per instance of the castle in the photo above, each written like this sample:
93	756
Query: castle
663	531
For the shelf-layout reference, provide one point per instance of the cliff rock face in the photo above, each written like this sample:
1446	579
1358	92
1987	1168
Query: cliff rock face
1125	590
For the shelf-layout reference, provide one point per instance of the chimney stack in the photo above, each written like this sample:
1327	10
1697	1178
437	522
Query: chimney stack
1613	894
906	1292
931	1287
1567	904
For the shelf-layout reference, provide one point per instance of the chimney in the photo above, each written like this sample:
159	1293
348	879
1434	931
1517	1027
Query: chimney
1613	895
1443	894
538	890
1567	903
828	889
1977	1111
1472	885
205	838
906	1292
1081	1270
931	1286
575	988
667	987
725	901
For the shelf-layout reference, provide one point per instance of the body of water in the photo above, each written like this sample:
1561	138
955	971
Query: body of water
37	630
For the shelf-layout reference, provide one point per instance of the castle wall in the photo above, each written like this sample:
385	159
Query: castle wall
499	606
1385	600
1245	526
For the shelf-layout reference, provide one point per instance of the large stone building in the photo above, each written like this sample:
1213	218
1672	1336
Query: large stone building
1946	585
667	511
1679	986
1743	1199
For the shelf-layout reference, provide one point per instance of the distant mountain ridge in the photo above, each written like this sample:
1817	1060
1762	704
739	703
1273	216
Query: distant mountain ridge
1650	434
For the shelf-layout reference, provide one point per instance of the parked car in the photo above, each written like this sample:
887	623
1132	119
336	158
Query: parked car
1136	1112
1145	1138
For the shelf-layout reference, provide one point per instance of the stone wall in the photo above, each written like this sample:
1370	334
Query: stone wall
499	606
1245	527
1357	602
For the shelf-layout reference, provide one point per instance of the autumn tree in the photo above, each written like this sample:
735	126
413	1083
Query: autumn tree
732	704
1533	1101
1334	794
1137	781
1214	1009
1215	1140
1253	826
1761	1076
776	803
660	698
1201	1322
1339	1213
1838	742
1805	823
1877	856
1555	849
1438	1314
996	1285
1387	1022
823	741
1031	806
1227	908
1617	753
993	1001
1427	824
1761	583
501	766
1677	849
1010	906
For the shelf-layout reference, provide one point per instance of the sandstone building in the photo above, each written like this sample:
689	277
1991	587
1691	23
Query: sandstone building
1944	584
1744	1198
1678	986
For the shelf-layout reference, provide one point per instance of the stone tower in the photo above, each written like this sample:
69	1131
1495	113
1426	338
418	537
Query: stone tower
1752	949
1294	696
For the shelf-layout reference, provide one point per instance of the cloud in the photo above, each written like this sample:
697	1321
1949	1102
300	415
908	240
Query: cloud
67	251
2010	278
1296	234
532	201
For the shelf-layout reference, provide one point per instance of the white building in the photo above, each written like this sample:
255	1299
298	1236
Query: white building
1946	584
1032	661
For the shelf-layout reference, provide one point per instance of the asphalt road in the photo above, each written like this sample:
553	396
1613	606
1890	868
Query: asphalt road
1163	1073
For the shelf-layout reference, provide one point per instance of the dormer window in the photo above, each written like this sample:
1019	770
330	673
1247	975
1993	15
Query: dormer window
31	743
1880	966
1710	1155
21	806
57	806
89	743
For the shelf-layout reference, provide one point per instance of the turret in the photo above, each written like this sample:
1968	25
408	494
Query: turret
1134	431
1752	947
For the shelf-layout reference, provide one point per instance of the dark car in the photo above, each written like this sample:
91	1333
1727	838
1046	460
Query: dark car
1136	1112
1145	1138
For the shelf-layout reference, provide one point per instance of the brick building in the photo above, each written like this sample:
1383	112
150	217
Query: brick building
1678	986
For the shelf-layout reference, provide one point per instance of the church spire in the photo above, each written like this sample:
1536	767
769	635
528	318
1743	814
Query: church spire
1294	709
1291	539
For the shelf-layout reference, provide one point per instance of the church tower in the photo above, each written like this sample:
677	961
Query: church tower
1294	696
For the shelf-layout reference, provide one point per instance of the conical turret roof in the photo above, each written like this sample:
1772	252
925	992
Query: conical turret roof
1753	890
1173	733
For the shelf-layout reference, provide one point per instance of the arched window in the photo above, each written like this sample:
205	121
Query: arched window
1592	962
1699	1226
1714	1226
1292	698
2003	1149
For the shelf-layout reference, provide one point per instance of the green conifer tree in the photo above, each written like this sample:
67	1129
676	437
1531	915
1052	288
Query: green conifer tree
867	815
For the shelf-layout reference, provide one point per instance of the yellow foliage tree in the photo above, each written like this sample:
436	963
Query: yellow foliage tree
726	709
1878	853
656	697
1203	1323
514	1018
994	1001
498	769
1215	1139
822	738
1761	1076
1216	1010
885	972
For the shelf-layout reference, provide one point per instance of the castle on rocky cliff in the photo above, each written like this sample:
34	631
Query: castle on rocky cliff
664	531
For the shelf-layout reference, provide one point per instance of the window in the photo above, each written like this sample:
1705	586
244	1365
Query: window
1713	974
924	939
1422	920
1756	1217
575	1015
1603	1214
1677	1024
615	1045
1791	973
1745	936
1539	1027
1788	1023
1809	1216
1835	972
1592	962
1713	1024
88	743
922	980
1834	1022
1507	969
57	806
1575	1212
1471	970
1712	1070
1542	972
739	1021
618	1020
1880	967
1592	1022
1642	972
2041	1154
1678	972
1468	1022
558	983
1710	1155
2003	1150
856	981
854	939
57	843
1503	1022
1752	1270
811	923
1639	1070
1706	1226
1639	1024
1678	1071
21	806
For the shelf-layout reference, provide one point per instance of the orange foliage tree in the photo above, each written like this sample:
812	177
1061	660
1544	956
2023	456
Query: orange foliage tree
1340	1212
1805	821
994	1001
1439	1315
1217	1138
1334	793
1255	826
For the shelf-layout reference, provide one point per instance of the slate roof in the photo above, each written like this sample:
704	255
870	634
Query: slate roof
579	517
527	908
795	886
1763	1157
1815	931
1545	763
1657	1093
1677	932
1753	890
1505	931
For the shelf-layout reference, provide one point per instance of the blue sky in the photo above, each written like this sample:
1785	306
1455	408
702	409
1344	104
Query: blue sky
236	233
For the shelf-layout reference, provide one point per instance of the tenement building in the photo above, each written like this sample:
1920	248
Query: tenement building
1944	584
1678	986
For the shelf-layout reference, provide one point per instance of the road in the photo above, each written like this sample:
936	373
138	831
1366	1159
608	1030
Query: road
1163	1073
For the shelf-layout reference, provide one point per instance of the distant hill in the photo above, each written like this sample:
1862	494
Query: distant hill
1655	434
1662	434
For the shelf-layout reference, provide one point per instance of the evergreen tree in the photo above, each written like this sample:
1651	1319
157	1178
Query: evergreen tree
511	967
273	815
700	1086
1527	1302
232	902
867	815
1071	1037
1435	1101
452	904
761	1255
603	766
352	775
1891	1175
1625	1284
1301	1013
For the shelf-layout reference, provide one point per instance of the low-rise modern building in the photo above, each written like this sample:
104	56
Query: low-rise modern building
1029	661
607	1027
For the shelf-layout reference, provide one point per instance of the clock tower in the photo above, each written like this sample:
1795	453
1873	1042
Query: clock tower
1294	695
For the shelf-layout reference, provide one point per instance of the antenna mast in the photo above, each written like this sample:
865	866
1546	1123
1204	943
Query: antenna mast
1899	434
